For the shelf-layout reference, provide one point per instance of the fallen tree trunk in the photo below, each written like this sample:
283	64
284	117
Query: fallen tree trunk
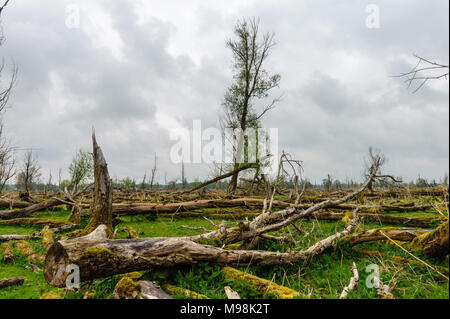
264	286
157	208
34	235
27	211
8	282
401	234
223	176
386	219
34	221
98	257
434	243
4	203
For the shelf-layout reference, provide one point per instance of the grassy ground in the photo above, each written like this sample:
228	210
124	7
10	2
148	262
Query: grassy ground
323	277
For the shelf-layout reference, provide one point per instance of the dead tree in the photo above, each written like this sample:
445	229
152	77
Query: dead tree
424	71
154	170
183	177
98	257
7	159
29	174
103	191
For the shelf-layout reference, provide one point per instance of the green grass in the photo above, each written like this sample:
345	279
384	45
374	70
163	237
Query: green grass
322	277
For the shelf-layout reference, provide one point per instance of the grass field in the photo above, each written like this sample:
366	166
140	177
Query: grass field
323	277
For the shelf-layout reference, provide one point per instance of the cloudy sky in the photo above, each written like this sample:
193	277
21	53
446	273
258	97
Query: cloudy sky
141	71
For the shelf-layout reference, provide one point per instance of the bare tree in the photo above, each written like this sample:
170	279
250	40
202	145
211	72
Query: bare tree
29	174
424	71
251	81
7	159
153	173
183	177
6	91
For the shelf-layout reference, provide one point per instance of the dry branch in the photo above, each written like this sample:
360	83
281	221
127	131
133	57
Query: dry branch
353	282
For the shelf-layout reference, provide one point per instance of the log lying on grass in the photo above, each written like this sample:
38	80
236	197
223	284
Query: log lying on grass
98	257
27	211
13	204
8	282
264	286
434	243
385	219
34	235
34	221
158	208
401	234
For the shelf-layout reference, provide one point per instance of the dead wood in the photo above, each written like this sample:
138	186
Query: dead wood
98	257
401	234
103	191
353	282
8	282
34	235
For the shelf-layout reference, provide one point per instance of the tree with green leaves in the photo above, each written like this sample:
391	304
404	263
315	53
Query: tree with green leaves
81	169
251	82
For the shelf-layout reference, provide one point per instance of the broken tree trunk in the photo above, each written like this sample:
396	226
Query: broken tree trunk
99	257
103	191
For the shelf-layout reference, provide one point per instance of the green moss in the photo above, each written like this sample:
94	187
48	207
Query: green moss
262	285
126	288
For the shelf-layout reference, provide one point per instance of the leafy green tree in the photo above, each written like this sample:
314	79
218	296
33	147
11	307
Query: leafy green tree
81	168
251	82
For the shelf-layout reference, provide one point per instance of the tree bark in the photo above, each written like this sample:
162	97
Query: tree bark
99	257
434	243
11	282
103	191
236	170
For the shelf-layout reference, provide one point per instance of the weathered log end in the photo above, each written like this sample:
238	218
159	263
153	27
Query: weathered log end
56	262
434	243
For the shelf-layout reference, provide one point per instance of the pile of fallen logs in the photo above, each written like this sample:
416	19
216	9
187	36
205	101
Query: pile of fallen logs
97	255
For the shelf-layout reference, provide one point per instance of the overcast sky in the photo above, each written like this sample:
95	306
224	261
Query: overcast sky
141	71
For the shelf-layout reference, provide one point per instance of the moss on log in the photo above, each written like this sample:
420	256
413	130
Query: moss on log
174	290
8	254
264	286
434	243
